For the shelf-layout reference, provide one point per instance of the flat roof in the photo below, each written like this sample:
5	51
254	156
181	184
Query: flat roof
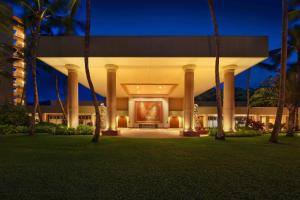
151	62
154	46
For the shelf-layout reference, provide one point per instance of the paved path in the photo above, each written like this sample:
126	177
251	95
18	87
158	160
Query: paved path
150	133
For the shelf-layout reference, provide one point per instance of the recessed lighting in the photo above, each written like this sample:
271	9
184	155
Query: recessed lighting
137	87
160	87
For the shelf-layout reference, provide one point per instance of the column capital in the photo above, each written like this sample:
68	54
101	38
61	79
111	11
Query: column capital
71	67
229	67
189	67
111	67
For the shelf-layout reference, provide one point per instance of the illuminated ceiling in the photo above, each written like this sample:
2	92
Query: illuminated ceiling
148	61
148	72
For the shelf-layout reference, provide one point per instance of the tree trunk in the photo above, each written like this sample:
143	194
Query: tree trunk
220	133
248	96
277	125
40	112
298	90
87	70
291	122
297	118
33	71
65	121
24	91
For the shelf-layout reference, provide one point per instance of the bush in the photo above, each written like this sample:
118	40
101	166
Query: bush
46	124
45	127
7	129
71	131
242	132
22	129
256	125
61	130
14	115
84	130
11	129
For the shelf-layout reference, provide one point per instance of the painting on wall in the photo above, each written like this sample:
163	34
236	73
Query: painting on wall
148	112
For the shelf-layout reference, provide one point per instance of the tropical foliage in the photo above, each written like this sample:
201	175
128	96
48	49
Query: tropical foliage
13	115
38	15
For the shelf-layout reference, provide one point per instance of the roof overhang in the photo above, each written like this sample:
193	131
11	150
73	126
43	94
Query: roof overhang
153	60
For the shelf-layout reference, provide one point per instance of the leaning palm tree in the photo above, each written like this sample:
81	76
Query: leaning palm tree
248	95
284	50
61	105
220	133
37	14
291	98
87	70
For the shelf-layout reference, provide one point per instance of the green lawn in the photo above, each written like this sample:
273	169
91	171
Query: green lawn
69	167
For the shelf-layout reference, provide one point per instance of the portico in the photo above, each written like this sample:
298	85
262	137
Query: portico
149	81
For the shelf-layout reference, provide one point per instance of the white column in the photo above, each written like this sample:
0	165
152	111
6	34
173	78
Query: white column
72	103
188	108
111	101
229	101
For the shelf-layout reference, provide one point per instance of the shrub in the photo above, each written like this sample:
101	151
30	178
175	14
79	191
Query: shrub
84	130
71	131
256	125
46	124
43	128
14	115
22	129
242	132
61	130
7	129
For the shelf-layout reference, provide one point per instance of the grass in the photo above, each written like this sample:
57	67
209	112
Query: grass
70	167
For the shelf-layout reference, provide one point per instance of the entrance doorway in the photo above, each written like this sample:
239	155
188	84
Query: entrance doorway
122	122
174	122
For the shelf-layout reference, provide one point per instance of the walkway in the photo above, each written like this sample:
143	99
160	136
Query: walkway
150	133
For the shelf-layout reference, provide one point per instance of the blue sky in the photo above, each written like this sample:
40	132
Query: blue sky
181	17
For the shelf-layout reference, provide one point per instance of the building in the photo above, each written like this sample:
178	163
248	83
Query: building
151	82
12	86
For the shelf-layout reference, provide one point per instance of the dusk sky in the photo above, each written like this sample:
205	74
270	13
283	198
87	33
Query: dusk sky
178	17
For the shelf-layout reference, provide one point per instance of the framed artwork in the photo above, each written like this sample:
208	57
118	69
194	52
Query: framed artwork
148	112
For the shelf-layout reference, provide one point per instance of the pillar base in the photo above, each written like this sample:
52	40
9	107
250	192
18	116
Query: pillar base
110	133
190	133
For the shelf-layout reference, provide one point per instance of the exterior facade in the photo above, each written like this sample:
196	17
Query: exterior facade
204	116
151	82
12	86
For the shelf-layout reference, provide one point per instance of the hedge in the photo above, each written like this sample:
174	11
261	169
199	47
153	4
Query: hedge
242	132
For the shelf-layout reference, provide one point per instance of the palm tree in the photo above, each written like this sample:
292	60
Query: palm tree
87	70
220	133
284	50
248	95
59	101
267	95
270	64
294	16
37	14
292	98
